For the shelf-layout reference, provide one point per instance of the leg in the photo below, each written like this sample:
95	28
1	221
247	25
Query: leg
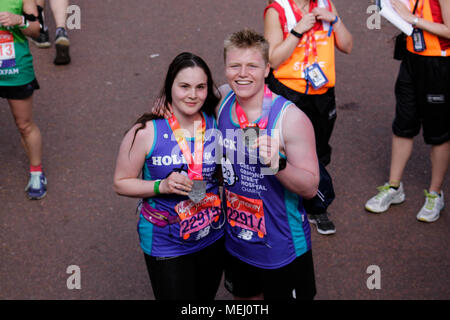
43	41
401	152
59	9
62	43
440	158
29	131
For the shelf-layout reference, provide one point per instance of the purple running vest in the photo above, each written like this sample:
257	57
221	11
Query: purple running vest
267	226
197	232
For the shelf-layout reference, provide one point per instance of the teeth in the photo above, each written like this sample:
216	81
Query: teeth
243	82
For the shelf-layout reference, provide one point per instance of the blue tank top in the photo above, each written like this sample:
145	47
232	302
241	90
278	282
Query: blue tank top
266	225
201	229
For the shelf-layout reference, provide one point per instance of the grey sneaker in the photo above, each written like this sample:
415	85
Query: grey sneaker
62	45
385	197
430	211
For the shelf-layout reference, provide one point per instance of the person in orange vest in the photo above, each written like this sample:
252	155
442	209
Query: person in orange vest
303	35
422	93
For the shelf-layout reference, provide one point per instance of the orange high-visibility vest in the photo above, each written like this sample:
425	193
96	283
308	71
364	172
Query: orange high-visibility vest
435	46
291	72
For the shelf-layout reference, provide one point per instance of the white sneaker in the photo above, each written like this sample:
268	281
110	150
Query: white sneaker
385	197
430	211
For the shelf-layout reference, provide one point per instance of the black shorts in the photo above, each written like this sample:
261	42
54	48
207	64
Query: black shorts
19	92
422	93
194	276
294	281
320	109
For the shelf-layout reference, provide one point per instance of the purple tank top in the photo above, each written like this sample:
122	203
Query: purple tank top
204	226
266	224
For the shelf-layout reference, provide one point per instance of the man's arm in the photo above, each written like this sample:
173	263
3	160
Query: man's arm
301	174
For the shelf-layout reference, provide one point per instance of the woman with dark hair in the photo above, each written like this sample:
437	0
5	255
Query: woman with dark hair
180	228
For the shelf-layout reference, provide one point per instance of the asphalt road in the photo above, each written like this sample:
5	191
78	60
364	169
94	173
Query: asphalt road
119	58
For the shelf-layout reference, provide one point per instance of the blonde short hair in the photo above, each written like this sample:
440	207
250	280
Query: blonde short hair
245	39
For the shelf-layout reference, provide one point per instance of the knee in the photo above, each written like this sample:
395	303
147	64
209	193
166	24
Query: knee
25	127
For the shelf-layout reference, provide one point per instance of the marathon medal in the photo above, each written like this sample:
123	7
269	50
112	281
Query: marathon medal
250	134
198	191
251	131
195	163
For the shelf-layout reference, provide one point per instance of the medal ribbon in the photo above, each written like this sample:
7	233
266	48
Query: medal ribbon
310	38
263	121
195	164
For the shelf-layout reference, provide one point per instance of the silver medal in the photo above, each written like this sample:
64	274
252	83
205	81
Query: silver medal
250	134
198	191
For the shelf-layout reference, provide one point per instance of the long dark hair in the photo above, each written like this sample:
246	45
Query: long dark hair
180	62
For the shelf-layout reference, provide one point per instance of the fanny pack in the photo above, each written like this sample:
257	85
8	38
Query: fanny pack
157	217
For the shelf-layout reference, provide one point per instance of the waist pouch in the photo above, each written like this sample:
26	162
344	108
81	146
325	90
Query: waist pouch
157	217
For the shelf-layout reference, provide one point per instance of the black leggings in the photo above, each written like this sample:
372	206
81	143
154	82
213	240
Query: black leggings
194	276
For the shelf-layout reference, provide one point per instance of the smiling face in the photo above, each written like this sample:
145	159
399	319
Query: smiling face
245	71
189	91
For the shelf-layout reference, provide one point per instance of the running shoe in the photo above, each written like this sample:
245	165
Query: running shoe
385	197
43	40
62	45
37	186
434	203
323	224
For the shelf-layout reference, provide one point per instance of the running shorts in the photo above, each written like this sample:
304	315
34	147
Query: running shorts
19	92
422	94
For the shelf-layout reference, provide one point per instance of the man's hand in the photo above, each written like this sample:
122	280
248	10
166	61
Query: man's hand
269	148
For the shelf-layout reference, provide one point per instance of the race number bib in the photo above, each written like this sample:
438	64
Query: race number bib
246	213
197	216
7	50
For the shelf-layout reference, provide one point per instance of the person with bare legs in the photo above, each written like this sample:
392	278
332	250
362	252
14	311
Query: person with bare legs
18	19
423	101
62	43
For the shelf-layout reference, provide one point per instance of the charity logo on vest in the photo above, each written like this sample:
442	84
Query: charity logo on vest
235	144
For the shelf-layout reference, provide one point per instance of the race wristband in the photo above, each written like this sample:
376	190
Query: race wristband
335	20
25	24
156	187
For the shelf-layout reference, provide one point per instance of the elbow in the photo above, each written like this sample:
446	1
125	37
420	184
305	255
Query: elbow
347	46
117	188
311	192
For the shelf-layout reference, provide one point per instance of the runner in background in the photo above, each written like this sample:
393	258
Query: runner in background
62	43
18	20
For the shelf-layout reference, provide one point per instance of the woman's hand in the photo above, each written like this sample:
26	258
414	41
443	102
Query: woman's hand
306	23
402	10
8	19
176	183
324	14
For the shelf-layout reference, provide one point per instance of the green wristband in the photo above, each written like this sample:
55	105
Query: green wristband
156	187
